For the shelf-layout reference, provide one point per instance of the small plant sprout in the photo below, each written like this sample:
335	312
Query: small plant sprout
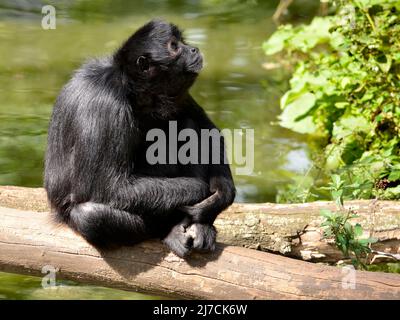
347	236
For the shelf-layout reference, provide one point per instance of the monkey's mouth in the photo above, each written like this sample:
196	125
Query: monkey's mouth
196	65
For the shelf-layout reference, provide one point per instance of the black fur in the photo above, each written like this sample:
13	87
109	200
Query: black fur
96	175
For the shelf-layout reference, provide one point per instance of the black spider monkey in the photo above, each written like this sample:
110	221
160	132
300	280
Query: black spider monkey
96	174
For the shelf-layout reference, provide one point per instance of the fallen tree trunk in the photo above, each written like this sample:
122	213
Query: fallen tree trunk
295	229
290	229
29	241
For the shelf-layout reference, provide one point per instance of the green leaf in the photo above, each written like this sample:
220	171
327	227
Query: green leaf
333	157
358	230
309	36
277	41
342	105
352	150
347	125
337	194
385	63
326	213
296	109
392	193
349	228
293	95
394	175
336	181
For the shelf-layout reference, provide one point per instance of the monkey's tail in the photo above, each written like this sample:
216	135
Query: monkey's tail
104	226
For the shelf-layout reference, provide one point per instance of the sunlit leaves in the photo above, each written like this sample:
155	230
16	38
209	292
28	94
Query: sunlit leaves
348	91
301	38
295	114
278	40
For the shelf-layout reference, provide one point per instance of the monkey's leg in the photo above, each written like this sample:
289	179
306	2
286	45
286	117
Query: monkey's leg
104	226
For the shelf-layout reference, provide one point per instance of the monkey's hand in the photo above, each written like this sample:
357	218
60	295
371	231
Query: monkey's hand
179	241
183	238
204	236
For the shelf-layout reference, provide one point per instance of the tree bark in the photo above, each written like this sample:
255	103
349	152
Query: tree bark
289	229
295	229
30	241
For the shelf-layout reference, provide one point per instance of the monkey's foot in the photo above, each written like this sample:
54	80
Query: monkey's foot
204	236
179	241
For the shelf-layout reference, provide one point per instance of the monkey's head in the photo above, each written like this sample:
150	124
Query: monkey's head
158	62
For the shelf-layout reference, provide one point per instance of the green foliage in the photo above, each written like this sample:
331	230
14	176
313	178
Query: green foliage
391	267
348	237
345	91
301	38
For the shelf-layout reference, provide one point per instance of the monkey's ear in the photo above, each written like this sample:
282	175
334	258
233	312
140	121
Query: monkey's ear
143	63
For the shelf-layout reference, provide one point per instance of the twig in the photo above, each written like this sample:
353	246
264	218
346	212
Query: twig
380	254
282	7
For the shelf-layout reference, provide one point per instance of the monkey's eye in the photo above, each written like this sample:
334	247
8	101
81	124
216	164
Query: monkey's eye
173	45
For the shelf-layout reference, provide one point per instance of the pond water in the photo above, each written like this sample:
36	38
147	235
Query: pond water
233	88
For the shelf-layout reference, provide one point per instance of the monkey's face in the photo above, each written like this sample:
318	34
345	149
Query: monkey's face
158	55
173	64
185	58
181	65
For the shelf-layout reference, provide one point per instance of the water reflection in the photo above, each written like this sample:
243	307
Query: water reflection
14	286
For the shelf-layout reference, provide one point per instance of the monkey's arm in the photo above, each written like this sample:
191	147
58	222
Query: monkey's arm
220	177
106	139
155	194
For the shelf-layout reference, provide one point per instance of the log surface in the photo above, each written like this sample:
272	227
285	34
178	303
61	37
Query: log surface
290	229
30	241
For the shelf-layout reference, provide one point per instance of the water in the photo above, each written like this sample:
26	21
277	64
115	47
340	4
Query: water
233	88
14	286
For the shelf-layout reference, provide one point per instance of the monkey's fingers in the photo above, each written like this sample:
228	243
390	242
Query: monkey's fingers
204	236
178	241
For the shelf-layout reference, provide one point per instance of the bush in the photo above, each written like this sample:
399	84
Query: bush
345	91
